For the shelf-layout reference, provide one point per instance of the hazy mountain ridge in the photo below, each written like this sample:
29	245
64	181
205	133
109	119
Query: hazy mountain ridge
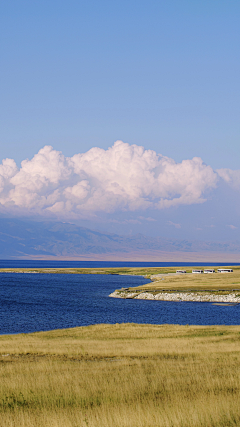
22	238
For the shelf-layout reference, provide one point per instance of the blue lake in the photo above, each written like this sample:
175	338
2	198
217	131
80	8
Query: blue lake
38	302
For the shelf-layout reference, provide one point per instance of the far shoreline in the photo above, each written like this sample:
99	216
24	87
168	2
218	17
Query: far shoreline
165	284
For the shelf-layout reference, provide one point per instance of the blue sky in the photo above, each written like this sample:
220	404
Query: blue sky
159	74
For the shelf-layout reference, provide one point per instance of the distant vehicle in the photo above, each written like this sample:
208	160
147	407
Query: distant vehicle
225	270
180	271
209	270
197	271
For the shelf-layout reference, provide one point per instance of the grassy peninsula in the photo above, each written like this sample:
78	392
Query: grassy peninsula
223	288
121	376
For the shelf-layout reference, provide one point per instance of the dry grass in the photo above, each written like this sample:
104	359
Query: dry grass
122	376
196	282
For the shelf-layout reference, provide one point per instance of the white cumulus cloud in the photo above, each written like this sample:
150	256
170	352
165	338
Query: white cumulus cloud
124	177
231	177
8	168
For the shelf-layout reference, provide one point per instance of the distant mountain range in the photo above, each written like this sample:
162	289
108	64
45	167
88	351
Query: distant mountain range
22	238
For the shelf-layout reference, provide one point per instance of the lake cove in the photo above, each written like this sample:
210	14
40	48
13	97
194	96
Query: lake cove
46	299
167	285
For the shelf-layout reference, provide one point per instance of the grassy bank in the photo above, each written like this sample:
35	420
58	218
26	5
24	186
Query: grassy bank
217	282
121	376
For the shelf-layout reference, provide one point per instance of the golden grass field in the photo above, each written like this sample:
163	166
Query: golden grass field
195	282
122	375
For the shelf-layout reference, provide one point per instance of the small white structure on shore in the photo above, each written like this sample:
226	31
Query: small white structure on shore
180	271
225	270
197	271
209	270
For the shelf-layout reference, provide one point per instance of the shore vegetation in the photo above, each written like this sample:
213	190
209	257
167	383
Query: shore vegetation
123	375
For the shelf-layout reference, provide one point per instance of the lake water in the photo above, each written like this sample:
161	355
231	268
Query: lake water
38	302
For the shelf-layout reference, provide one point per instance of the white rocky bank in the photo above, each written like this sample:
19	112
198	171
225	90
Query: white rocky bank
178	296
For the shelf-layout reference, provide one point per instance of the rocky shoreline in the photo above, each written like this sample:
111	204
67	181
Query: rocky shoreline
231	297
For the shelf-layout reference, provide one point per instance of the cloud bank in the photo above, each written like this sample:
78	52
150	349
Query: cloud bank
123	178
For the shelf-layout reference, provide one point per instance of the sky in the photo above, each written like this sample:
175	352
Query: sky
122	116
